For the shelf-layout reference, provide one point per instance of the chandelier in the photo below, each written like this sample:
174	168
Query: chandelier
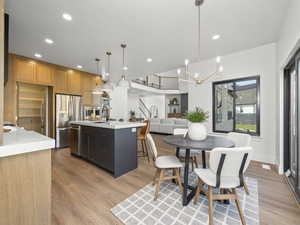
196	78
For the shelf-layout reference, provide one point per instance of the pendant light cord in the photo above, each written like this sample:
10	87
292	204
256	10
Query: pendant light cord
199	33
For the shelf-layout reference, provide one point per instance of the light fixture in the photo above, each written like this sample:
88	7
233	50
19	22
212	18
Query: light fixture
123	82
49	41
38	55
67	16
216	37
108	86
149	60
195	78
97	90
178	71
79	66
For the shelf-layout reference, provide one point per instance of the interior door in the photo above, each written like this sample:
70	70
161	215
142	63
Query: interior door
296	167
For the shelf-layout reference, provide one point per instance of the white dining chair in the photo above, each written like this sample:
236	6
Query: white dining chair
226	172
193	152
162	165
240	139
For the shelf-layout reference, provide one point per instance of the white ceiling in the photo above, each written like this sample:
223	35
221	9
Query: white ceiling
165	30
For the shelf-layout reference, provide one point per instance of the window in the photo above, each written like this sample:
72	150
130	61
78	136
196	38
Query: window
236	106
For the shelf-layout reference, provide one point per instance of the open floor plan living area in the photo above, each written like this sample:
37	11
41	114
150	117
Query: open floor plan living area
139	112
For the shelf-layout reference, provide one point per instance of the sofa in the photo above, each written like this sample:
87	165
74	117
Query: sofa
166	126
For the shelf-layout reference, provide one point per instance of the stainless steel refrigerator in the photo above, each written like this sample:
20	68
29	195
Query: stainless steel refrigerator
68	108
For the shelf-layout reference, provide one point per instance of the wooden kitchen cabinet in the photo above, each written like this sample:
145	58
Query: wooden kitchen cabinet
61	80
25	70
74	82
44	74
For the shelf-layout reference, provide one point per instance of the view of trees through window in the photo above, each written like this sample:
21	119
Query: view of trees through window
236	105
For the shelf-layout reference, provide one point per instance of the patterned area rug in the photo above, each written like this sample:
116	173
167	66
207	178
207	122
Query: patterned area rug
141	209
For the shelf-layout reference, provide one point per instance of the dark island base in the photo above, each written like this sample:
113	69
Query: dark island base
114	150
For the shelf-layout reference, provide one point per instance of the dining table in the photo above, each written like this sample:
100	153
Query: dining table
203	146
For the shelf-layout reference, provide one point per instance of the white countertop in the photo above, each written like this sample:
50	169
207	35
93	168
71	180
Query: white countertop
22	141
109	125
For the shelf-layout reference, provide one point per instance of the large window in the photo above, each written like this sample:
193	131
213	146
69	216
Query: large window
236	106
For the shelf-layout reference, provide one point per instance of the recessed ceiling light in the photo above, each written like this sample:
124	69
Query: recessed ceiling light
149	60
49	41
67	16
216	37
79	66
37	55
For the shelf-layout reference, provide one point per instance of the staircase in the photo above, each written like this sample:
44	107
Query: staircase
148	112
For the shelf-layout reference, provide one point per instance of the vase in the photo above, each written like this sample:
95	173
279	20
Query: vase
197	131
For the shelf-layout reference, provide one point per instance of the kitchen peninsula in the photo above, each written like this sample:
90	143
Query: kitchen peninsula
111	146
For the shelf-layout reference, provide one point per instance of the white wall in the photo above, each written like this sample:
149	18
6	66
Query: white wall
258	61
288	43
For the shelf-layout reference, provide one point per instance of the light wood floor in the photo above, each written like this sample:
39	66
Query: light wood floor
83	194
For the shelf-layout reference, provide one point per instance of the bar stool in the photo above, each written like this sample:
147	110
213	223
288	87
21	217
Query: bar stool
142	138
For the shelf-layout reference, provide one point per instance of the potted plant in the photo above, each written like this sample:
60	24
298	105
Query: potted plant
197	130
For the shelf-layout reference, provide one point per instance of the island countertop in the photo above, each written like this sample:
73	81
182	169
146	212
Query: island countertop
109	125
22	141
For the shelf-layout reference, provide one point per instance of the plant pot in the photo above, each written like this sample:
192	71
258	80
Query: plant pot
197	131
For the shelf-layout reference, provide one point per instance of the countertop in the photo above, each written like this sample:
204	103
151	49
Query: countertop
23	141
109	125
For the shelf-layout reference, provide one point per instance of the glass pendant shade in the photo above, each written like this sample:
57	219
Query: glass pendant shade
123	83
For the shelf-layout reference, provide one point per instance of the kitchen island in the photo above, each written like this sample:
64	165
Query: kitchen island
25	171
111	146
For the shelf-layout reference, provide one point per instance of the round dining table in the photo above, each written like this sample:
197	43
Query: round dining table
182	142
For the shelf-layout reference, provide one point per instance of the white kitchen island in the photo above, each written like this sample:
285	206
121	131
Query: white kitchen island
25	173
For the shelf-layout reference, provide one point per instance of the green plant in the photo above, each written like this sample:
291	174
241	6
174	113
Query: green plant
197	116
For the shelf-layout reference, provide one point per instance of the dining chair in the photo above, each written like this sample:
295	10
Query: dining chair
162	165
193	152
241	140
225	172
142	138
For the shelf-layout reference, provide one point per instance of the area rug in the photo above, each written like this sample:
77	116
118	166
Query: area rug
141	209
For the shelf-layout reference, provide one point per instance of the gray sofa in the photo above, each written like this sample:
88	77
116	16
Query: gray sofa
166	126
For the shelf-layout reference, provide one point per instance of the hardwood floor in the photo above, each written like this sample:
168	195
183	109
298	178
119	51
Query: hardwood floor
83	194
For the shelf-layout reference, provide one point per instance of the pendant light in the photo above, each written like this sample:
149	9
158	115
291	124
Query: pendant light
195	78
97	90
108	86
123	82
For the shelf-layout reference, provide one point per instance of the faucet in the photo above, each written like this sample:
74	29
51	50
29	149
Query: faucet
106	112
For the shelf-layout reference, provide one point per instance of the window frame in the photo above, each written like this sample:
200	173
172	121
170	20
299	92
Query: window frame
214	84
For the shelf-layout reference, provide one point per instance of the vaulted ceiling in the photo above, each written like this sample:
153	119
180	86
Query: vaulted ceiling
164	30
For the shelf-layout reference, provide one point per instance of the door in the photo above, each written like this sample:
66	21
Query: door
291	126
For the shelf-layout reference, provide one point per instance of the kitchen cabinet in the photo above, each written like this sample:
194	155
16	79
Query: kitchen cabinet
44	74
61	80
114	150
25	70
74	82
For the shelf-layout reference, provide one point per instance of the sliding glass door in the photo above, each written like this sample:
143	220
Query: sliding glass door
292	128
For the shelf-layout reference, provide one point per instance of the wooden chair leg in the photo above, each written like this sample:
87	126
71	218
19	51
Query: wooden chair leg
197	191
192	160
246	188
161	177
196	162
237	202
178	179
210	206
146	151
156	176
143	147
